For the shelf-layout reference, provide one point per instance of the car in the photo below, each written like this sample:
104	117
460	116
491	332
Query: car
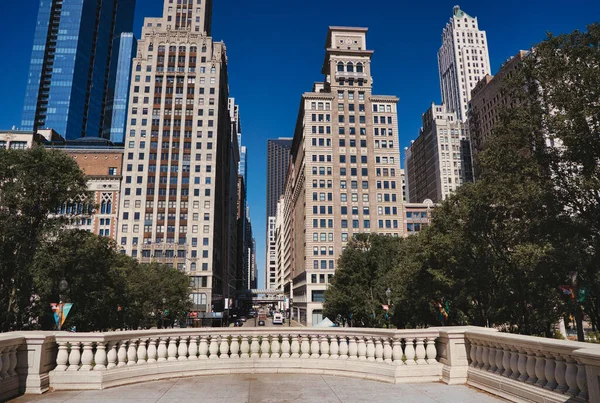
261	323
277	319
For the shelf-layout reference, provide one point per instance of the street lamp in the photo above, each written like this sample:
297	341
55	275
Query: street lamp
388	294
63	286
162	316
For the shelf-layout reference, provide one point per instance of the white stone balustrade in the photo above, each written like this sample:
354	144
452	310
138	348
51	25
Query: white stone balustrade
527	366
511	366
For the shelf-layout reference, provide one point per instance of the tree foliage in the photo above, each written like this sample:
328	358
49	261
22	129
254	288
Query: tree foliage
108	290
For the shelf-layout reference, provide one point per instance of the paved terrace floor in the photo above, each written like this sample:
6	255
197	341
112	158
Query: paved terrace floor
271	389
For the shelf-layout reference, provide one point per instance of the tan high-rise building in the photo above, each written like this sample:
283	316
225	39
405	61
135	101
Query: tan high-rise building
487	100
463	59
439	160
180	162
344	177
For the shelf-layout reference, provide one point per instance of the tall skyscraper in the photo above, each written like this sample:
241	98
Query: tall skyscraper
344	177
115	121
74	65
438	161
180	167
463	60
278	160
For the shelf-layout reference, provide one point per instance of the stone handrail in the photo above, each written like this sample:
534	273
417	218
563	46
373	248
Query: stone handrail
98	360
511	365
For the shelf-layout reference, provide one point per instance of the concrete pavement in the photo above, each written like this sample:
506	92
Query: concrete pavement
270	389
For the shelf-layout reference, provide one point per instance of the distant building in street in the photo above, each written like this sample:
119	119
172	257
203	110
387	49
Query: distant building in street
74	65
438	161
344	175
463	60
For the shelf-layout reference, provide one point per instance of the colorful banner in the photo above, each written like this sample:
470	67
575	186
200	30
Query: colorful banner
61	311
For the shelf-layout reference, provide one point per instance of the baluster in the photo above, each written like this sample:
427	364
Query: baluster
132	353
213	348
245	347
203	349
285	346
492	358
295	348
431	350
352	348
87	357
409	352
582	383
254	347
388	353
560	374
420	351
152	350
3	366
571	377
182	350
74	357
264	347
162	349
378	349
305	347
12	359
514	364
506	356
343	348
275	346
172	349
314	346
550	372
142	352
111	356
499	359
193	348
532	379
334	348
370	349
235	347
473	354
122	354
540	369
62	358
397	350
362	348
100	356
522	366
324	347
224	347
485	356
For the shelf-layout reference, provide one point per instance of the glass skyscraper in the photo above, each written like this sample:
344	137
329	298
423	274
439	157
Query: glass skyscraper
74	64
115	120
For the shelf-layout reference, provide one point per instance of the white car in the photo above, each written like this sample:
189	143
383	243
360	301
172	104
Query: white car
278	319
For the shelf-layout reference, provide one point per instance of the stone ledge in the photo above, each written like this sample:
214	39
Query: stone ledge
512	390
379	371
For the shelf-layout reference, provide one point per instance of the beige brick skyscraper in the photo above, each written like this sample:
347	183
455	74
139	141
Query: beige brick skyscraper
344	176
179	152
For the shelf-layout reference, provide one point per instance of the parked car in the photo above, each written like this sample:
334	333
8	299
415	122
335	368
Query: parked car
277	319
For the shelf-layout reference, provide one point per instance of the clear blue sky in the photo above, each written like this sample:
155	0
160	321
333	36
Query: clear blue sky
275	50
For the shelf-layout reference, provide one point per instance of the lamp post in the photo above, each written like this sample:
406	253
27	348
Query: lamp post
388	294
63	286
291	303
162	316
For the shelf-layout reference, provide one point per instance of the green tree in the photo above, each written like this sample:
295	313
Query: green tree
33	183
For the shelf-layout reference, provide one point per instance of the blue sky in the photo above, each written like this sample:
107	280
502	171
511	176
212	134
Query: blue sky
276	47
